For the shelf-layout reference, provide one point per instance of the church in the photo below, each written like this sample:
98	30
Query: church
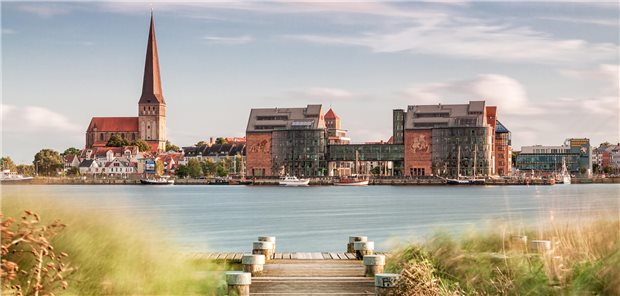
150	124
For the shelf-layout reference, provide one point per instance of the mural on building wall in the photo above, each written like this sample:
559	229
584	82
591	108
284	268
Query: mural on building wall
420	144
261	147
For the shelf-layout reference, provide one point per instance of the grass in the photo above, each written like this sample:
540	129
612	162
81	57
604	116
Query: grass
114	255
584	260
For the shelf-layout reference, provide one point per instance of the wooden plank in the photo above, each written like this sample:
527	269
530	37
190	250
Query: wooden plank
238	256
350	256
316	256
229	256
278	256
334	256
326	256
342	256
286	255
221	256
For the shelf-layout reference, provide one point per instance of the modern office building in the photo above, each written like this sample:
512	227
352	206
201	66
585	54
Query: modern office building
545	160
446	140
286	141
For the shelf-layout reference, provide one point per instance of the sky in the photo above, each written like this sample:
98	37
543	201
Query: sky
550	67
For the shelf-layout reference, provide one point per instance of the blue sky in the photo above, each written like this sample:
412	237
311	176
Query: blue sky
551	68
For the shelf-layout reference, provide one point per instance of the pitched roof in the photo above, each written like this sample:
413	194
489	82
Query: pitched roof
86	163
500	128
151	85
331	114
113	124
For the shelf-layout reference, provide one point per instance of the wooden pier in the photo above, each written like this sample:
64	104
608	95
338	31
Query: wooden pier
235	257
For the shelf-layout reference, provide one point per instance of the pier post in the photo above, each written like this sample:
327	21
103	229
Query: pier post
540	246
352	240
373	264
269	239
253	263
263	248
238	283
385	283
363	248
519	242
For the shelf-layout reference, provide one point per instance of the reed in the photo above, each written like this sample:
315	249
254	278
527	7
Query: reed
584	260
113	254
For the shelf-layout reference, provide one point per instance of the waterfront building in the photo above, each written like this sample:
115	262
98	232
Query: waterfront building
71	161
335	133
503	150
446	140
546	160
286	141
88	166
150	125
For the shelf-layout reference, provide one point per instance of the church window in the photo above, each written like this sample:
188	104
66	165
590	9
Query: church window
101	137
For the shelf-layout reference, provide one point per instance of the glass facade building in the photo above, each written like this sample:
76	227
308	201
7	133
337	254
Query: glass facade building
299	152
467	144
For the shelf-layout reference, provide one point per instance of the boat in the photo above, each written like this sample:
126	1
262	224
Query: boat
293	181
220	181
457	182
158	180
351	181
8	176
564	176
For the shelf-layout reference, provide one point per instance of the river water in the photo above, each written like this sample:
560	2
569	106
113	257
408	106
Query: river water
229	218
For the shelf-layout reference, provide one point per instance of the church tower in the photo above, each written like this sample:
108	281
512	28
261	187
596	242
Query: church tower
152	107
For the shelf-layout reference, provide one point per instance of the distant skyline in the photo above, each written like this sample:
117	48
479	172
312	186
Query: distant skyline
551	68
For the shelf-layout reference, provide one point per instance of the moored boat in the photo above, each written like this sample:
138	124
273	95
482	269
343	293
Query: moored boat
161	180
351	181
293	181
8	176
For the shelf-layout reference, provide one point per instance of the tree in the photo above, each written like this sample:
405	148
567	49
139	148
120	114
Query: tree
182	171
117	141
25	169
221	170
596	168
48	162
7	164
159	167
608	169
142	145
71	151
201	143
195	169
73	171
221	141
172	147
209	167
514	158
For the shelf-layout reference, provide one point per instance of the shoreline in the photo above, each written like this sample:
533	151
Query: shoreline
313	182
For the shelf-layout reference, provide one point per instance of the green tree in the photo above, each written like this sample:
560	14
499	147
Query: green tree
142	145
71	151
48	162
159	167
172	147
376	171
209	167
73	171
221	140
596	168
7	163
182	171
117	141
25	169
608	169
514	158
221	170
201	143
195	169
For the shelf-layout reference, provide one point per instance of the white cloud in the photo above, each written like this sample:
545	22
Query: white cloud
598	22
35	119
8	31
228	40
474	39
496	89
44	9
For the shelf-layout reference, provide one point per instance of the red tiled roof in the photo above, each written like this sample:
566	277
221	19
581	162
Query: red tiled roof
331	114
114	124
69	158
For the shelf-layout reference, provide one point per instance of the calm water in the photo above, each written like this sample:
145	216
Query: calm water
229	218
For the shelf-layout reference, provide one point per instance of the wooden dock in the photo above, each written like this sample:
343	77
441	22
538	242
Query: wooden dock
235	257
327	276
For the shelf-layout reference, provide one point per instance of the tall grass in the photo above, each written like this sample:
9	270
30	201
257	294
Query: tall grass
116	255
584	260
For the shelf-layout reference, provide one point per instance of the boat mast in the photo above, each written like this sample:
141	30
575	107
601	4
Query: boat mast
458	162
475	154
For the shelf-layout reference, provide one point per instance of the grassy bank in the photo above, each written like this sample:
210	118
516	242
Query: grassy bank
113	254
584	260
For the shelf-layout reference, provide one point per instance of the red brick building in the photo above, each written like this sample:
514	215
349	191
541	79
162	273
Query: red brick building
150	125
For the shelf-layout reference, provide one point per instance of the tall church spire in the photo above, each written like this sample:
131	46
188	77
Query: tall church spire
151	86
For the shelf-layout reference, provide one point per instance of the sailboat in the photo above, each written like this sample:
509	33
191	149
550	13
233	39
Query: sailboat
564	174
355	180
458	180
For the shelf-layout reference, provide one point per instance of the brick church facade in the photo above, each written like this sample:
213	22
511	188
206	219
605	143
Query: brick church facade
150	124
